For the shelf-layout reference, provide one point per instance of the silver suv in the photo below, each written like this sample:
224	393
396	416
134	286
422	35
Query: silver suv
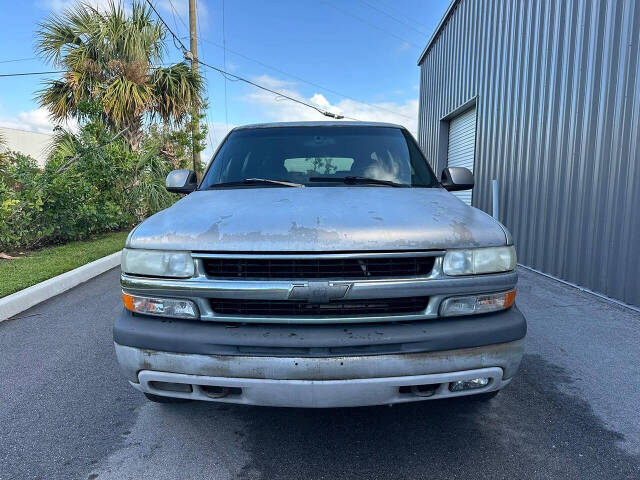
319	265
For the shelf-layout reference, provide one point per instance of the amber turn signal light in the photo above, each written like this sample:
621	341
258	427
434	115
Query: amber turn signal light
161	307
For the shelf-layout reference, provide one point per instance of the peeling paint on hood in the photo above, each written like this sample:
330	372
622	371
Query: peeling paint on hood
318	219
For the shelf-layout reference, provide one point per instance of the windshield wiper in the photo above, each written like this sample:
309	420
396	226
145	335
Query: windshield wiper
255	181
359	181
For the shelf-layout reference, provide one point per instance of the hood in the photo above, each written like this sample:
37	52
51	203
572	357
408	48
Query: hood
318	219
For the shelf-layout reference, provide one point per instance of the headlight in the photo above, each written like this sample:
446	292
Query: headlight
476	304
162	307
474	261
157	263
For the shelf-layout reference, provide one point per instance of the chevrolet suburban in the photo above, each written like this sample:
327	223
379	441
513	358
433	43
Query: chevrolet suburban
319	264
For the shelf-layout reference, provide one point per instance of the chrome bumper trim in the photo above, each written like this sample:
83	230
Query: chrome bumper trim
318	394
437	287
281	290
304	256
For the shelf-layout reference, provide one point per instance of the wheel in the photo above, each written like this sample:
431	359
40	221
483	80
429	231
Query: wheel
162	399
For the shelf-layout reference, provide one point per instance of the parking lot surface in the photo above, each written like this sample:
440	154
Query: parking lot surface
572	411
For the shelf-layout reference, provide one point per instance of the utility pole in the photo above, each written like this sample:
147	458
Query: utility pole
193	45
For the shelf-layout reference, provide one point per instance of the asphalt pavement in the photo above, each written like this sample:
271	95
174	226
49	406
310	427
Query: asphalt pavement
572	412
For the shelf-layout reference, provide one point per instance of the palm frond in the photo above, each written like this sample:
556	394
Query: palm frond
177	91
150	171
108	55
124	99
60	98
65	144
65	32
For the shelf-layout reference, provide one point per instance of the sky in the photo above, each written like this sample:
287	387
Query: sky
353	57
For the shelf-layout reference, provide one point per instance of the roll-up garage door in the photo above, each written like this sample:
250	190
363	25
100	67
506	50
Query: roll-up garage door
462	142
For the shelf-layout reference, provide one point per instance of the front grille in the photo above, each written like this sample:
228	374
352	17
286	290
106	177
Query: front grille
379	306
332	268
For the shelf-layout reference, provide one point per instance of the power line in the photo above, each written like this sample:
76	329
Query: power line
345	12
225	50
175	37
275	69
29	73
210	125
413	20
176	13
211	128
224	63
188	56
279	94
19	60
173	15
399	20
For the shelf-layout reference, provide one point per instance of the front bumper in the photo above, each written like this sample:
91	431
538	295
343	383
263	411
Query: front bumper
320	382
318	393
321	365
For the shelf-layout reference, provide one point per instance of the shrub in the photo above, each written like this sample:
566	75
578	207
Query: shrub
91	183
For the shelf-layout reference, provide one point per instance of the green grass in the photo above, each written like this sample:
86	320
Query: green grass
41	265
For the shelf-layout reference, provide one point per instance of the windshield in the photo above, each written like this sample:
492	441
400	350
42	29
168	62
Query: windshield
304	155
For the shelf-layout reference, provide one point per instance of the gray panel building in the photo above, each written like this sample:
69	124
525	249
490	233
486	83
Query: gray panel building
553	89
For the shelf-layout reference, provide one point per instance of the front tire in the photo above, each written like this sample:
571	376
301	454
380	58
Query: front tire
162	399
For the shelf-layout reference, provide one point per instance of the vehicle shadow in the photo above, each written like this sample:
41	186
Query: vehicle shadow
530	430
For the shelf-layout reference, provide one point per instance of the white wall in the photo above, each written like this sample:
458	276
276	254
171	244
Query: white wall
36	145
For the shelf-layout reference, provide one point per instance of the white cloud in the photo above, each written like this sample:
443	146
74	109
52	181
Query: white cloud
273	82
36	120
217	132
280	109
231	66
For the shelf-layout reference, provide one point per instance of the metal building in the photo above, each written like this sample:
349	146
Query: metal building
544	95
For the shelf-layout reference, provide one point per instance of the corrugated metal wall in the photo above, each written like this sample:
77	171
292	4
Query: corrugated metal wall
558	100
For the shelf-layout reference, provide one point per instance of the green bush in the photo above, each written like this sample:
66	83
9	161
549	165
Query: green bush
91	183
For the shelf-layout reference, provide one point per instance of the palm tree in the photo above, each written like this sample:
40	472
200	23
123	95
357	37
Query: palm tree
112	59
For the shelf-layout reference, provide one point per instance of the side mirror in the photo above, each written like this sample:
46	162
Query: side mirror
457	178
181	181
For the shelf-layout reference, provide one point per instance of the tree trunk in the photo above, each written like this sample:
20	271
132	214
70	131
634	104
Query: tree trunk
134	134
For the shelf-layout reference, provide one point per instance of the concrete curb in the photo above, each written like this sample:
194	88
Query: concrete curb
20	301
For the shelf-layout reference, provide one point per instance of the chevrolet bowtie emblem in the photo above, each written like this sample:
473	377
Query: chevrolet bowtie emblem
319	292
